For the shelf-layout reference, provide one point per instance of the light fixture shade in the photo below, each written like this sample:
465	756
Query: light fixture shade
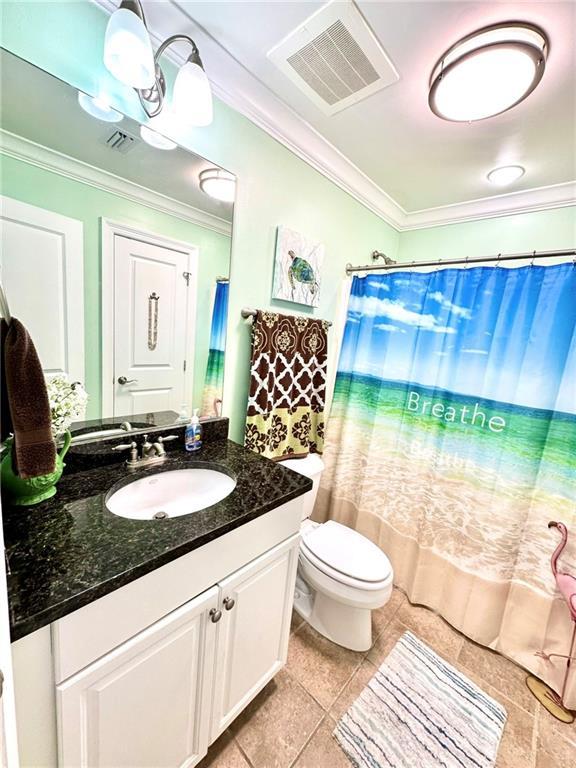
128	51
505	175
98	107
488	72
192	97
219	184
156	139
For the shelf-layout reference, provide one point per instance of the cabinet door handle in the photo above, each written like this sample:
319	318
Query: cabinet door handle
215	615
229	603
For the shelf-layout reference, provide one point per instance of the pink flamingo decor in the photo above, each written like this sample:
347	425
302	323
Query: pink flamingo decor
566	583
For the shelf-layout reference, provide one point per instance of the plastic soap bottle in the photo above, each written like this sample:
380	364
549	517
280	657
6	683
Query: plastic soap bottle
193	437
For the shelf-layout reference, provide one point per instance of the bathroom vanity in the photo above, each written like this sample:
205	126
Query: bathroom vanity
137	642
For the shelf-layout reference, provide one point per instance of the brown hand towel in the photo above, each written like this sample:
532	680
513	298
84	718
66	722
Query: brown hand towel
24	389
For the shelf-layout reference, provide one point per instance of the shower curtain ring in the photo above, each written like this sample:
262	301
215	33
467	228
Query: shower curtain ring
466	262
498	260
533	257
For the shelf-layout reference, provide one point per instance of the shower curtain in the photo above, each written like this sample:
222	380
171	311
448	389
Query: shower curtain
214	379
452	442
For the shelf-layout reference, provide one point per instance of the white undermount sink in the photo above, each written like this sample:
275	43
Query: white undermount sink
170	494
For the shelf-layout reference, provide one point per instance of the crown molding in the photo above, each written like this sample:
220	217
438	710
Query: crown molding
237	87
50	160
509	204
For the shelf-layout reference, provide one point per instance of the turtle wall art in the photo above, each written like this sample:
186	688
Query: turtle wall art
297	268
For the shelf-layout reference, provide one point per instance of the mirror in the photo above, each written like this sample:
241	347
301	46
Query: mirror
114	256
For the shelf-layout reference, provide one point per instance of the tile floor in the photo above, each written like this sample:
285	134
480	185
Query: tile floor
290	722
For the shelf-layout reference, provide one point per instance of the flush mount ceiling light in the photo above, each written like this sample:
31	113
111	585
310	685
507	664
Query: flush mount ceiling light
129	57
505	175
218	184
98	107
488	72
156	139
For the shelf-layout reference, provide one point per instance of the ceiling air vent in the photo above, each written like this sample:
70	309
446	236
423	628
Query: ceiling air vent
120	142
334	58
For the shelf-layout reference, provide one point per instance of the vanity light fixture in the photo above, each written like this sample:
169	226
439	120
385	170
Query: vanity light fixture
128	53
505	175
219	184
98	107
156	139
488	72
128	56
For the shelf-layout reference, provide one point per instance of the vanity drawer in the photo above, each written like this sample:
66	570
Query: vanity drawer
88	633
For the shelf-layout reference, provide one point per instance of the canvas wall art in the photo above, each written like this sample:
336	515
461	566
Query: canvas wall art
297	268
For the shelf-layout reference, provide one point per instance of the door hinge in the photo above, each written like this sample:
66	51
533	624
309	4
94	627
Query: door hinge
184	366
186	276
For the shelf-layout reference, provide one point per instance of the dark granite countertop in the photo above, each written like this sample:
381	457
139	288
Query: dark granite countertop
70	550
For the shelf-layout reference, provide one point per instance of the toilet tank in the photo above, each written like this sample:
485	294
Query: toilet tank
311	466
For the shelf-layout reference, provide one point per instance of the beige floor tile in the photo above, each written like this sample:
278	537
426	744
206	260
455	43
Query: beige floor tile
431	629
383	616
386	641
322	667
544	760
550	728
501	673
357	683
323	751
516	747
275	726
224	753
556	742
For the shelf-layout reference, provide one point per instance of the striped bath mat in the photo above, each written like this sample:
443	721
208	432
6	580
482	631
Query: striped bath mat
419	712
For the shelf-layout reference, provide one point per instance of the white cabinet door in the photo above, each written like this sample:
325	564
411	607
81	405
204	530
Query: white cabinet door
42	257
147	703
253	634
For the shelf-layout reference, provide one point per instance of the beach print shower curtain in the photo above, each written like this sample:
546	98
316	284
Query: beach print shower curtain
452	442
214	379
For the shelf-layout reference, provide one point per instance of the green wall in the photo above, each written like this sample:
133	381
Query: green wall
48	190
275	187
553	229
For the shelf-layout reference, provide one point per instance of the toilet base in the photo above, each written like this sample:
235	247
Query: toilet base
342	624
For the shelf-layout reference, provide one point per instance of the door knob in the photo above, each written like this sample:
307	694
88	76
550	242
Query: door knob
124	380
229	603
215	615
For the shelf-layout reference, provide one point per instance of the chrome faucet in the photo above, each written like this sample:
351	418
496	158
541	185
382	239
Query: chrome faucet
150	453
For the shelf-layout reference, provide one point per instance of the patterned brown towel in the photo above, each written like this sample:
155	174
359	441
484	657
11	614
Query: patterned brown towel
287	386
24	388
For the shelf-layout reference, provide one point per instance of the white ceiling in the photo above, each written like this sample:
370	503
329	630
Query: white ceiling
389	150
392	136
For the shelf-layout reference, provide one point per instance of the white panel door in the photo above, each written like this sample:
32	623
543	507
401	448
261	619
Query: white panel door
147	703
254	630
43	276
8	736
150	326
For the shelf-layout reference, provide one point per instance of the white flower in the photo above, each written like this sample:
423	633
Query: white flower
67	402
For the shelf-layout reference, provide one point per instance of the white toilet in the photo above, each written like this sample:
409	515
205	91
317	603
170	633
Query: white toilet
342	576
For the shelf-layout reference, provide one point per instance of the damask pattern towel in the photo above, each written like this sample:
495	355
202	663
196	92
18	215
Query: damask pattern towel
287	386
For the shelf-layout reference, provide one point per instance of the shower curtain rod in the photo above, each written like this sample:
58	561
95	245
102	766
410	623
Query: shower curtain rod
475	260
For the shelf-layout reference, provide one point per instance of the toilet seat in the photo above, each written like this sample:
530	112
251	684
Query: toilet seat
346	556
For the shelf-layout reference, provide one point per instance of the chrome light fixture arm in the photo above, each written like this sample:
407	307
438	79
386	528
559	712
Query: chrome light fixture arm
152	99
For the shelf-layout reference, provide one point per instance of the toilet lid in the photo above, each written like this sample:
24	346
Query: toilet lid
348	552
